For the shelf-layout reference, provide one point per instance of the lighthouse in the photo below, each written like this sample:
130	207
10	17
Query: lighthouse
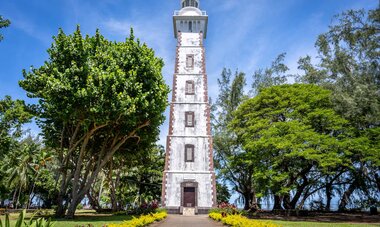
188	185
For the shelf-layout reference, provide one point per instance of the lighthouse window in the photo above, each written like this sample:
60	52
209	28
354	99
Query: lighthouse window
189	87
189	119
189	153
190	60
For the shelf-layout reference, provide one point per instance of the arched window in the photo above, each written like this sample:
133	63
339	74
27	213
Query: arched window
196	4
190	26
187	2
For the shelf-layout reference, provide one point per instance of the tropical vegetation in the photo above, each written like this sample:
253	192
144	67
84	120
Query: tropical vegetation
300	146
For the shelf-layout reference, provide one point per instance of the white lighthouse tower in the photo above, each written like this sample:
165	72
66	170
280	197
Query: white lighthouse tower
189	179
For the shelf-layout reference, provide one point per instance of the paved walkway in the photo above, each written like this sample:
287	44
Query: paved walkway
187	221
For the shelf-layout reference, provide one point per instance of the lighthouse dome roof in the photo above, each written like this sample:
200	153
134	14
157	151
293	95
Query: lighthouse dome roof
190	11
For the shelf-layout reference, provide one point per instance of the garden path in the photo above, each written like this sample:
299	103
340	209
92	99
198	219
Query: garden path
187	221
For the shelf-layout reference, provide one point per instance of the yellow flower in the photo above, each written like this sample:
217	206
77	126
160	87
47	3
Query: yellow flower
237	220
143	220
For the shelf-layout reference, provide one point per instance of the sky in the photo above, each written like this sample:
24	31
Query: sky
242	34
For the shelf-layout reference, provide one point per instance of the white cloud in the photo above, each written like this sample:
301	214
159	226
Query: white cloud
31	29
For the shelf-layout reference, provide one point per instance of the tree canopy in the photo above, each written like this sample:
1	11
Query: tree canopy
291	142
94	98
288	133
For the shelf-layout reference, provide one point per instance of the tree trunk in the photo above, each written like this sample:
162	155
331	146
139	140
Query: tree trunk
94	202
85	175
254	205
61	208
377	179
346	196
114	185
30	195
100	191
328	197
277	203
246	201
14	198
73	207
62	194
286	202
18	197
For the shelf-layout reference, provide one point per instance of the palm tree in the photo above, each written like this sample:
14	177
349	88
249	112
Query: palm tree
21	169
42	158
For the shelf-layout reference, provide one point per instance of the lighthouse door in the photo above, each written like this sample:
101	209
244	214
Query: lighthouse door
189	197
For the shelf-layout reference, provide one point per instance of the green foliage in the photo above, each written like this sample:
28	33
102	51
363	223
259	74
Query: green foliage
3	24
130	180
349	67
271	76
7	222
21	222
222	193
96	98
288	131
225	208
226	147
13	114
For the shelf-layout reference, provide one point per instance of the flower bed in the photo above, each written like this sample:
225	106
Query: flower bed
142	220
236	220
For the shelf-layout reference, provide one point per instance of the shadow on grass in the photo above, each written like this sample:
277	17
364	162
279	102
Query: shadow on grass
82	218
96	218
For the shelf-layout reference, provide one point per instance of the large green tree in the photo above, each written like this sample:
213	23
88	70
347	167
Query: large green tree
226	149
349	66
94	98
289	133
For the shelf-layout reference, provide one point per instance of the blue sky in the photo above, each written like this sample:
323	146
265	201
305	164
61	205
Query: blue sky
242	34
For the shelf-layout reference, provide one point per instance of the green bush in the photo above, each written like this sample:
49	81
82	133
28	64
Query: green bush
225	209
40	222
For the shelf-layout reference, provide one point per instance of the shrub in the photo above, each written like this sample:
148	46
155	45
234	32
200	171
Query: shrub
225	209
80	206
236	220
143	220
40	222
145	208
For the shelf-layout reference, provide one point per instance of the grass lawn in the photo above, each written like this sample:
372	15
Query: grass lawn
83	218
320	224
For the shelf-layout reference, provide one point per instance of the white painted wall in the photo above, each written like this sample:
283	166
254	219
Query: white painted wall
204	188
198	89
183	52
178	170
